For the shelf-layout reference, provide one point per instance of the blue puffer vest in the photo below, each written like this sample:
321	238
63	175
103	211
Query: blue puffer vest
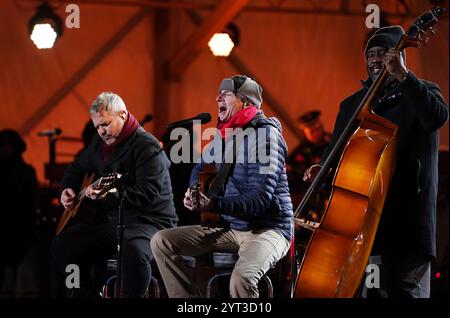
256	192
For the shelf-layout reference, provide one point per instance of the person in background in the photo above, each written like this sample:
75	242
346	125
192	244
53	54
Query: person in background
18	190
307	153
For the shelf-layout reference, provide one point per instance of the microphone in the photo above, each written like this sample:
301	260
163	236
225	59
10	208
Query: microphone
203	117
146	119
49	133
122	179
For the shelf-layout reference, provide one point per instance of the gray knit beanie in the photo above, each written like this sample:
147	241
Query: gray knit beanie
244	86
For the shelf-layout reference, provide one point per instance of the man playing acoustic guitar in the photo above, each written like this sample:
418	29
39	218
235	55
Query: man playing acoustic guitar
253	199
122	146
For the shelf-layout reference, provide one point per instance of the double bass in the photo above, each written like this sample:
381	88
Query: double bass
336	256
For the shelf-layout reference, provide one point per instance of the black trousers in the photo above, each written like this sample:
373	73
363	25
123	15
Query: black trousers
86	245
401	276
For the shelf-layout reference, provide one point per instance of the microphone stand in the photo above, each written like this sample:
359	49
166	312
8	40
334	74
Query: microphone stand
52	158
120	229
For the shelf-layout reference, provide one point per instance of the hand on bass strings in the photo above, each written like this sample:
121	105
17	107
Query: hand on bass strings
394	64
311	173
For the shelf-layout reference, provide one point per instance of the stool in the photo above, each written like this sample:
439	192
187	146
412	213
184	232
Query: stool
108	287
227	261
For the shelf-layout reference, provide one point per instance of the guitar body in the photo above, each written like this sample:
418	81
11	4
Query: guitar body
205	178
87	210
71	213
91	212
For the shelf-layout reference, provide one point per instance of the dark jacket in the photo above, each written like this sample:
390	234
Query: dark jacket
252	199
148	191
408	221
18	191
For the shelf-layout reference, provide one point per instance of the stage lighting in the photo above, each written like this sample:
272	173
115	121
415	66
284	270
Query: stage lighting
45	27
221	44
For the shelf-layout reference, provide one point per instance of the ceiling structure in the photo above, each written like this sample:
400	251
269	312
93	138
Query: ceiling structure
306	54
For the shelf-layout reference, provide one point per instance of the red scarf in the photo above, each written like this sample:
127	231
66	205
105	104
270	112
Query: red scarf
129	127
238	120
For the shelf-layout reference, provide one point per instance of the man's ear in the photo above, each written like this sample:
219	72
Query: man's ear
123	114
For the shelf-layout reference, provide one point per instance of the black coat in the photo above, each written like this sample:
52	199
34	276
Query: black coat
408	221
148	192
18	189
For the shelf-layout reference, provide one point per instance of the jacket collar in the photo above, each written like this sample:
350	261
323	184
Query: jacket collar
111	163
366	83
393	90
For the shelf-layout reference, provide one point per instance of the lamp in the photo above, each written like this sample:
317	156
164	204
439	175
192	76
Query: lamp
221	44
45	27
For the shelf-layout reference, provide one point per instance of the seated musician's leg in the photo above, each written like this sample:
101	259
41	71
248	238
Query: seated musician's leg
169	244
258	251
83	245
136	267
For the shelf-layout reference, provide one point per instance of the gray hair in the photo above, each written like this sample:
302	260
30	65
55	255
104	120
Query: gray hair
108	101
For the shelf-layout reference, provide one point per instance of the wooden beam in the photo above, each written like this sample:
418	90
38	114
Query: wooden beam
162	4
161	86
264	8
66	87
267	96
216	21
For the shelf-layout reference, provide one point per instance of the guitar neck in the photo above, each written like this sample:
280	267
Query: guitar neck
82	193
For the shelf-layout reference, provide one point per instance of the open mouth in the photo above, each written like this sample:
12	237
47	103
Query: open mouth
222	109
376	69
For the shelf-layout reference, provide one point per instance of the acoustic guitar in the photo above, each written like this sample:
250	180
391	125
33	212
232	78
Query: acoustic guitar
84	210
205	179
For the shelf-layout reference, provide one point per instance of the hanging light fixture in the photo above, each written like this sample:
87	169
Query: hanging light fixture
221	44
45	27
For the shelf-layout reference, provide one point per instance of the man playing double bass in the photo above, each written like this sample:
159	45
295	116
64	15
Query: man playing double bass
405	239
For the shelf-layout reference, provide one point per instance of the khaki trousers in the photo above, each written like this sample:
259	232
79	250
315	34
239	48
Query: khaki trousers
257	250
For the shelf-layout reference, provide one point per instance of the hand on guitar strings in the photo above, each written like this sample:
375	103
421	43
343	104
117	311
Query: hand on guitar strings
68	198
92	193
187	202
196	200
